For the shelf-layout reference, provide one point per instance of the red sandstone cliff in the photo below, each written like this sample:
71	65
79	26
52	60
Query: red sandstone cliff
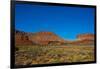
41	38
49	38
85	36
83	39
21	38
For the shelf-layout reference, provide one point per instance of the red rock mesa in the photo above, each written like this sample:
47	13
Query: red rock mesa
41	38
49	38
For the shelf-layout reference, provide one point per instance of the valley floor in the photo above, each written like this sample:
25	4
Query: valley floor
30	55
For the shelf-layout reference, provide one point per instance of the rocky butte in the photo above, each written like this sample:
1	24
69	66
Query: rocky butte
40	38
84	39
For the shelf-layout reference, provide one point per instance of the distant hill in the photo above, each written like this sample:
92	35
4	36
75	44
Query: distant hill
49	38
45	38
83	39
40	38
87	36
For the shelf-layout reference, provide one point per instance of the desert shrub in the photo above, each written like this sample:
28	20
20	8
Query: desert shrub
54	60
36	51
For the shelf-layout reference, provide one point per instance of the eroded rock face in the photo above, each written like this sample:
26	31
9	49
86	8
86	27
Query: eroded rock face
21	38
40	38
49	38
44	38
82	42
85	37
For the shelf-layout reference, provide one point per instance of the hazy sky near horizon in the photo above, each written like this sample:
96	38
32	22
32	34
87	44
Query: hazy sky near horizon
66	22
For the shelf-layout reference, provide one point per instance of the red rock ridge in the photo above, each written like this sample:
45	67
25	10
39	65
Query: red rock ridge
85	36
49	38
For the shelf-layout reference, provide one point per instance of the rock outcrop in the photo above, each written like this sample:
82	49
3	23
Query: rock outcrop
49	38
45	38
21	38
85	37
40	38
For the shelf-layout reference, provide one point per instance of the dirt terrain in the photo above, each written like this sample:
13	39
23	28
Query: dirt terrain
30	55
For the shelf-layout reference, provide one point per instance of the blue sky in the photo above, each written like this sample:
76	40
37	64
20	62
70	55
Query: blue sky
66	22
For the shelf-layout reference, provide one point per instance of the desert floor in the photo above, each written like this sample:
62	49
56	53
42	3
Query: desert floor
34	54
